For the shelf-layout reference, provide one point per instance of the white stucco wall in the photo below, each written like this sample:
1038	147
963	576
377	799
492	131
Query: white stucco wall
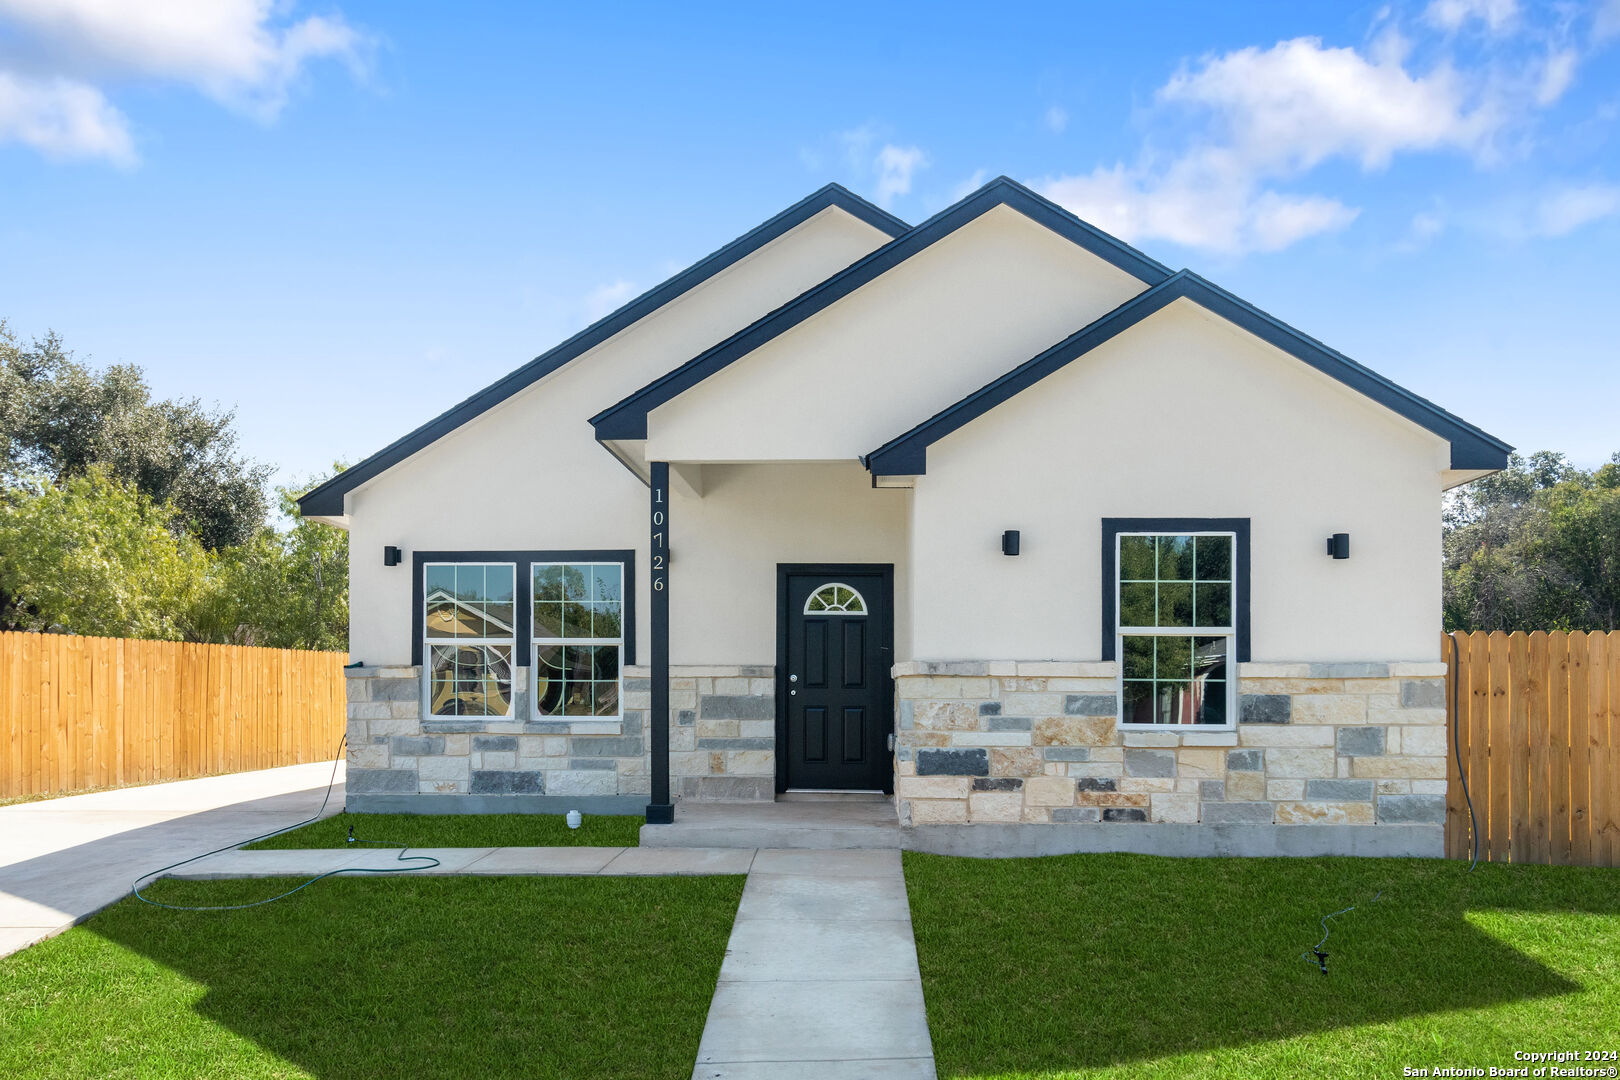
1182	416
751	517
529	475
889	355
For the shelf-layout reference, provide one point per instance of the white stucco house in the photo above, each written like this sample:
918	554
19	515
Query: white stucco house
993	513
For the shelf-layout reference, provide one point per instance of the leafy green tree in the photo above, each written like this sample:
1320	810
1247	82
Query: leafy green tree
1535	547
94	556
284	588
60	419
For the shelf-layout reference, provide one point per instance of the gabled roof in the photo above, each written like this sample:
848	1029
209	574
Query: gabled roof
1471	448
628	418
327	500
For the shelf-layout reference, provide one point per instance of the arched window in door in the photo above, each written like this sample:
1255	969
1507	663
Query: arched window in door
835	598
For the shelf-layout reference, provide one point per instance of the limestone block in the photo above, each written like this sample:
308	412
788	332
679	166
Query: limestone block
1402	766
1429	787
1293	761
1032	704
1245	786
461	745
1330	709
995	806
718	729
946	715
582	782
934	787
1112	798
750	763
1424	741
443	768
368	756
939	811
1146	783
1201	763
1073	731
1285	790
1049	791
1318	735
1015	761
1038	815
1395	787
1179	808
1324	813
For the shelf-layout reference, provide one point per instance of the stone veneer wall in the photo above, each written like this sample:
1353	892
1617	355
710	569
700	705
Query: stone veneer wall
1037	743
722	743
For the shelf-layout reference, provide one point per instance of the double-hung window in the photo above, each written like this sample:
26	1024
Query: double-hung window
469	635
578	638
1176	627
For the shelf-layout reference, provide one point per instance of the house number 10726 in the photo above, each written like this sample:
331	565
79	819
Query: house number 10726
659	563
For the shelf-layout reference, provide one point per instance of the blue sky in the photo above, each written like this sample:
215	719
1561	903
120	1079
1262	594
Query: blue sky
342	218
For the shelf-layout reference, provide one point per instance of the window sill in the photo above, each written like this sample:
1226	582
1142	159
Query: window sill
1146	736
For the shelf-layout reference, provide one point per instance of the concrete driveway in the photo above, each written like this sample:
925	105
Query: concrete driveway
62	860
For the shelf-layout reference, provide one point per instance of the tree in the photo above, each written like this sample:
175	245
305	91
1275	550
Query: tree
60	419
1535	547
94	556
284	588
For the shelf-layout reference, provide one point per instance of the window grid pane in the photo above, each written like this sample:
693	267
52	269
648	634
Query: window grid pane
468	626
577	629
1175	581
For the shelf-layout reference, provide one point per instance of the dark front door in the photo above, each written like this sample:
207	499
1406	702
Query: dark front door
835	647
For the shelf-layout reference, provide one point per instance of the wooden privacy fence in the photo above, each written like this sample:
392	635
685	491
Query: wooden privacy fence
1538	720
79	712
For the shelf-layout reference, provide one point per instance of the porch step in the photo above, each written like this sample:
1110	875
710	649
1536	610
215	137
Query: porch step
823	825
834	797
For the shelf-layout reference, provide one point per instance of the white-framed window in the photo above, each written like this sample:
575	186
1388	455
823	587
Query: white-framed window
468	631
1174	628
578	639
835	598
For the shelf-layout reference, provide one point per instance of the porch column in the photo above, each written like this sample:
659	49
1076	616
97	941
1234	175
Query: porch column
660	811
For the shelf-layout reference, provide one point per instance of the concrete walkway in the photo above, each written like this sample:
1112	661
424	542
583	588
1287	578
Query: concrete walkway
588	861
62	860
820	979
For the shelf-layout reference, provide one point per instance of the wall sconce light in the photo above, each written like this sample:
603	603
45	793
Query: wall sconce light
1338	545
390	556
1009	542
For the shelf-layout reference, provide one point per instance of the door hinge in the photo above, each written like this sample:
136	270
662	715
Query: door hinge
891	742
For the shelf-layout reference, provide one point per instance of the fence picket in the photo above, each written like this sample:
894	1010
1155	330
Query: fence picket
92	712
1537	722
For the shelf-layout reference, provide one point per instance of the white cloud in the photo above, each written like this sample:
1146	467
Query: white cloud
228	49
1201	201
895	164
63	119
1298	103
1269	116
1450	15
1566	209
1426	225
1057	119
244	54
607	298
970	185
1556	76
1606	22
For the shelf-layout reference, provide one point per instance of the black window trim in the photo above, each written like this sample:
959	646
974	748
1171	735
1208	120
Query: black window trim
1239	527
524	585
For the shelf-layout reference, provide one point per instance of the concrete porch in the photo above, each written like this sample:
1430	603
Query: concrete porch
836	824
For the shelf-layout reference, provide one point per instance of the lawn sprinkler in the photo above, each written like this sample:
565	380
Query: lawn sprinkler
574	819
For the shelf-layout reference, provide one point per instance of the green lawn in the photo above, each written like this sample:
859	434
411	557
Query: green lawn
1129	965
410	977
463	830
